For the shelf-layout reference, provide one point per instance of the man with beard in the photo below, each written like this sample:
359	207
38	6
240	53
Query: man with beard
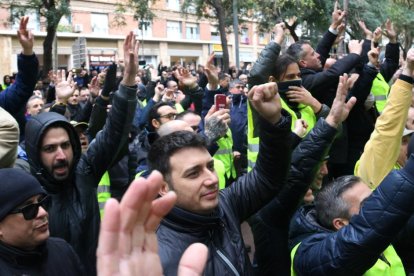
71	178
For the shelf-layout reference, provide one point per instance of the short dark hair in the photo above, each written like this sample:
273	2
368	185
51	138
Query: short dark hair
164	147
153	113
281	66
295	50
329	203
181	115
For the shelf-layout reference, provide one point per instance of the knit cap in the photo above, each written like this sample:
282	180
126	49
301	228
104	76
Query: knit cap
16	186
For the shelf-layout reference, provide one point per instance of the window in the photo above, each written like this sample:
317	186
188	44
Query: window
244	37
99	23
144	29
34	21
192	31
174	29
173	5
215	35
263	39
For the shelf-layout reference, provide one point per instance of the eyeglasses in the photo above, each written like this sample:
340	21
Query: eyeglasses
170	116
30	211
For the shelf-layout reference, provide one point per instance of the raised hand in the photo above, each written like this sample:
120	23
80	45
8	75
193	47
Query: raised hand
373	55
266	100
131	46
409	63
279	31
211	73
94	88
25	37
64	86
367	32
216	123
390	31
127	239
355	47
340	108
185	78
337	16
301	95
376	37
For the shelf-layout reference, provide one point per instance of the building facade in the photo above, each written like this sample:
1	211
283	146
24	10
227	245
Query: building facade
90	36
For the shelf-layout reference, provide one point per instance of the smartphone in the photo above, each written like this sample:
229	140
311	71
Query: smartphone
220	101
283	86
142	62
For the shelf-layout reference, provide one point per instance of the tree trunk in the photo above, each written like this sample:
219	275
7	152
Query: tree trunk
47	50
222	29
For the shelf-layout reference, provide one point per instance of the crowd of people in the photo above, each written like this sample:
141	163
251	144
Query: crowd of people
152	171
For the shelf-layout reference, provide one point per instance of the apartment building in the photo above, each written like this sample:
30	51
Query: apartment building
89	35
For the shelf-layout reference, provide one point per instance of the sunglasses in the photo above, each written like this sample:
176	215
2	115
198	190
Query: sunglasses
30	211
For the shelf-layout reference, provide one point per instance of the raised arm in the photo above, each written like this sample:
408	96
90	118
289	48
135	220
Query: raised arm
109	143
15	97
385	141
255	189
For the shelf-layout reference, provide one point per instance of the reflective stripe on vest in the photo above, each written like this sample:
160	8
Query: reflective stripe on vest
225	154
380	89
389	263
252	142
103	192
306	114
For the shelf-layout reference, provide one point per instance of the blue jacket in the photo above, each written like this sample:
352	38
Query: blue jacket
356	247
15	97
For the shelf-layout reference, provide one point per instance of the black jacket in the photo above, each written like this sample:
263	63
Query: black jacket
74	212
55	257
357	246
270	226
323	84
220	231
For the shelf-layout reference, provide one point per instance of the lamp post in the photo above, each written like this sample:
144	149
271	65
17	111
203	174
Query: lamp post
236	32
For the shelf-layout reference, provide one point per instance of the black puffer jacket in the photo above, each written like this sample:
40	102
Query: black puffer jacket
270	226
357	246
220	231
74	212
55	257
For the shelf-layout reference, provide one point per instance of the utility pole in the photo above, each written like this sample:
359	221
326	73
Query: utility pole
236	32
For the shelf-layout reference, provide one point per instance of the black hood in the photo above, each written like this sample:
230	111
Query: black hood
35	129
304	224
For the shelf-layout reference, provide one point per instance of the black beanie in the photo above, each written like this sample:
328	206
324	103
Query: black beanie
16	186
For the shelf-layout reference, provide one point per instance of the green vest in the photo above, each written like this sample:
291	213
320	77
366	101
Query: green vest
380	89
179	108
225	154
218	167
252	142
389	264
306	113
103	192
221	172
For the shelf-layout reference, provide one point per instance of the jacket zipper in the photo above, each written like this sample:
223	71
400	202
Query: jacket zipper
228	263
